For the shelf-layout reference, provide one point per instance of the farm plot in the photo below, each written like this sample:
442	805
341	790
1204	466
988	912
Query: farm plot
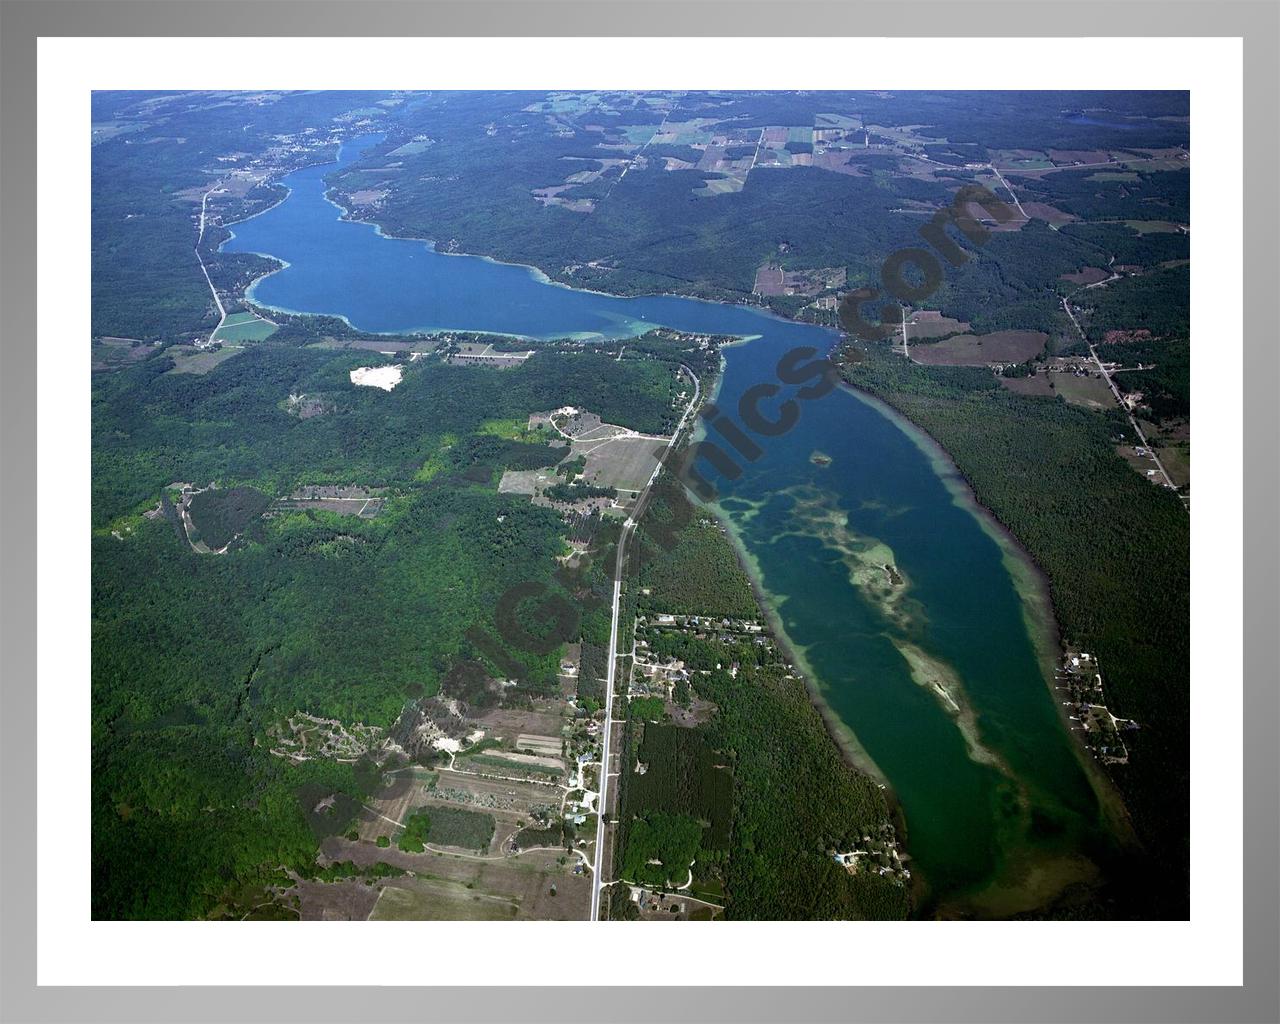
502	798
364	502
611	457
190	359
1036	386
113	353
1088	390
545	718
1047	213
440	899
1079	156
526	880
545	746
238	327
1088	275
981	349
626	463
473	354
350	899
1154	227
385	815
383	346
930	323
505	765
525	481
1021	159
511	806
776	281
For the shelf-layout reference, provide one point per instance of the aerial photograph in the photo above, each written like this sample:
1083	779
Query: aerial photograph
638	506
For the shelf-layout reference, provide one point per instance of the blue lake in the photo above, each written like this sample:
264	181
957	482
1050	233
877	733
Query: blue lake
936	675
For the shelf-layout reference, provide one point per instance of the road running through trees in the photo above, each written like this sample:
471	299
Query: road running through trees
1115	391
628	529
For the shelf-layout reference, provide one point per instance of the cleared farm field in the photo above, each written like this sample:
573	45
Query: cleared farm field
518	766
1091	392
1153	227
113	353
346	900
981	349
549	746
189	359
244	327
1048	213
525	880
510	806
1037	385
1176	459
432	899
932	324
1089	275
511	723
364	508
219	515
720	186
524	481
625	463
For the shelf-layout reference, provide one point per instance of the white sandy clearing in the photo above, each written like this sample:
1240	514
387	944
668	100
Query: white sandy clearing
385	377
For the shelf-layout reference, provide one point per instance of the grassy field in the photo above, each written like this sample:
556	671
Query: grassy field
980	349
1176	459
244	327
1152	227
1090	392
438	899
115	353
189	359
523	884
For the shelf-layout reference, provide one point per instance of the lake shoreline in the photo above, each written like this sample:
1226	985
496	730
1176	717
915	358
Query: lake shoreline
841	733
1033	587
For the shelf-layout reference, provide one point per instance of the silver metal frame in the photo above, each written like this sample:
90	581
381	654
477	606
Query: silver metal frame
21	23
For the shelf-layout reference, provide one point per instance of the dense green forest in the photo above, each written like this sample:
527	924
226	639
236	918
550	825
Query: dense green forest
196	657
699	574
1149	316
446	826
1116	552
1129	247
1137	195
1166	387
1014	280
1159	302
233	425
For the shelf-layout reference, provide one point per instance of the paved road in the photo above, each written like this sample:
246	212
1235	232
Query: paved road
628	529
222	313
1066	305
1011	192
